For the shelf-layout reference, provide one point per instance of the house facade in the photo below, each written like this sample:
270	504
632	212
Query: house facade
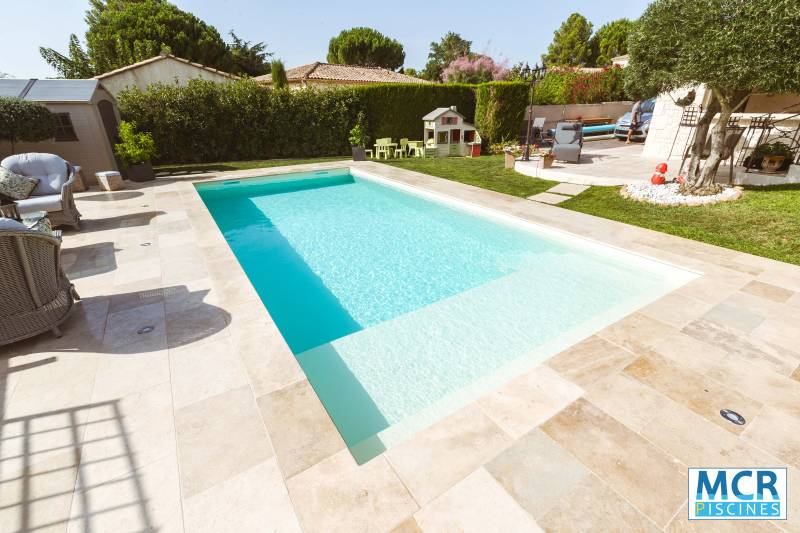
87	121
164	68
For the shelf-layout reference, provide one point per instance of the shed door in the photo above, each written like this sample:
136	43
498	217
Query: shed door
110	125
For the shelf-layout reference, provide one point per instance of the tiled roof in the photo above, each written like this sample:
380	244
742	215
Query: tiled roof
159	58
328	72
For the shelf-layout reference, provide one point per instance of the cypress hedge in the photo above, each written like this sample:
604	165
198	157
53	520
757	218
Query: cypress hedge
500	109
206	121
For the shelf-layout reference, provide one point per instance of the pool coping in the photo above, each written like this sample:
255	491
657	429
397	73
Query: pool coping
305	473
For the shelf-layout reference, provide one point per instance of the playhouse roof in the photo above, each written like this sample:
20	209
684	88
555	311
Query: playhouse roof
439	111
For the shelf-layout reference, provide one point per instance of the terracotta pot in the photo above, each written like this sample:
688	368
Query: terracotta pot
547	161
140	172
771	163
509	160
359	153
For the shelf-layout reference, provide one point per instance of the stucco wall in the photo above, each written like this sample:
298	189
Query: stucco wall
773	103
166	70
665	124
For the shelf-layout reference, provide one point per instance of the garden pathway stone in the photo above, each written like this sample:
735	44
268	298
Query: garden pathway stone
548	198
569	189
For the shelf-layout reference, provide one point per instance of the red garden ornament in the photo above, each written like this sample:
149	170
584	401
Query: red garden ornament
658	177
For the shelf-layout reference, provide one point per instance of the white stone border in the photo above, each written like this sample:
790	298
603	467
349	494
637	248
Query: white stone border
669	195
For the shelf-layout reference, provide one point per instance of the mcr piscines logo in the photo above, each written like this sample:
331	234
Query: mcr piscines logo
737	494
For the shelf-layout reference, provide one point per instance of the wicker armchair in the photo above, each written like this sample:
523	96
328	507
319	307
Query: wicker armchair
35	294
53	194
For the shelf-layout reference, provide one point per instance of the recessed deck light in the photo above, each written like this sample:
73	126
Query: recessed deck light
733	417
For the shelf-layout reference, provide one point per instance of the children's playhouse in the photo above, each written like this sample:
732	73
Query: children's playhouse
446	130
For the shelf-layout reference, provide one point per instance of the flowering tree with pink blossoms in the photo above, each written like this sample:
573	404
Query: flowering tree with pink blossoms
474	68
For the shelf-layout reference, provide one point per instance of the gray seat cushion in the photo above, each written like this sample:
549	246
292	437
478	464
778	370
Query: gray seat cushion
49	203
11	224
49	169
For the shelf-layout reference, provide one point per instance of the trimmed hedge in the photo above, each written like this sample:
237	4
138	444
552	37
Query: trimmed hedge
500	109
207	121
396	109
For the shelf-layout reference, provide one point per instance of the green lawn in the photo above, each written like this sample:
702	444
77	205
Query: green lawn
765	221
238	165
485	171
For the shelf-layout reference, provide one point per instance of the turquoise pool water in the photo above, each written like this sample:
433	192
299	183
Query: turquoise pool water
401	308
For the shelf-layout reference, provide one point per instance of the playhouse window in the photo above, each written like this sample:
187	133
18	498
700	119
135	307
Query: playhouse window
455	136
442	138
469	136
446	121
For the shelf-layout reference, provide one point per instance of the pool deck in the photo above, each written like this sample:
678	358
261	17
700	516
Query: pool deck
207	423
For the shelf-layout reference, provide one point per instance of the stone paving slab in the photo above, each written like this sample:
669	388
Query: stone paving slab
548	198
103	431
569	189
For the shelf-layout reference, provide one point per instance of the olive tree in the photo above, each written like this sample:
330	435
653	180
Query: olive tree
24	121
732	47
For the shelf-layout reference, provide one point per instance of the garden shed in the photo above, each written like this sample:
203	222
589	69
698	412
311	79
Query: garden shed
87	119
447	129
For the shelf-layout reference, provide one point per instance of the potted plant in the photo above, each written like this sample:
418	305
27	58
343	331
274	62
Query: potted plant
773	156
135	151
358	139
547	159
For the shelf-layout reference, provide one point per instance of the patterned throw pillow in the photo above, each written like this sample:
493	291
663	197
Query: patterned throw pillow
16	186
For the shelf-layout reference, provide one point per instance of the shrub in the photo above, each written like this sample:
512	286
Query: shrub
396	110
562	86
24	121
206	121
136	147
358	133
500	109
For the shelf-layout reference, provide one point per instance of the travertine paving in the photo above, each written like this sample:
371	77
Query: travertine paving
172	403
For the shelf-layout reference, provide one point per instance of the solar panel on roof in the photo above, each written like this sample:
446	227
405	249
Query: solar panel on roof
62	90
12	87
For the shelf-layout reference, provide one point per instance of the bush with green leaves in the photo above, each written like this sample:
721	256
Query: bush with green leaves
135	146
561	86
358	134
500	109
25	121
206	121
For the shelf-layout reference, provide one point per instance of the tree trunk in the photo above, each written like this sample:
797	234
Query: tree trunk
705	181
701	132
726	102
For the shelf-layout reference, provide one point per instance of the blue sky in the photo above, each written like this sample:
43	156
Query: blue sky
298	32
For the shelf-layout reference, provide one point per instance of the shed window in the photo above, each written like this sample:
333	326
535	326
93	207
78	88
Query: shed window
447	121
442	139
65	131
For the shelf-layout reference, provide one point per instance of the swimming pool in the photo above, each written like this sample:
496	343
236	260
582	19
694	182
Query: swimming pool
402	306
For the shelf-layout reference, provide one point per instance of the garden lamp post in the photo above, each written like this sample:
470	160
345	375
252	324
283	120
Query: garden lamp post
536	74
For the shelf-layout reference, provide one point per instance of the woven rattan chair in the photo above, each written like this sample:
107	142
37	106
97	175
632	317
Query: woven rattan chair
35	294
53	194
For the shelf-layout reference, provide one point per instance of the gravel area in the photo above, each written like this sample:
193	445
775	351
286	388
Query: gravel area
669	194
